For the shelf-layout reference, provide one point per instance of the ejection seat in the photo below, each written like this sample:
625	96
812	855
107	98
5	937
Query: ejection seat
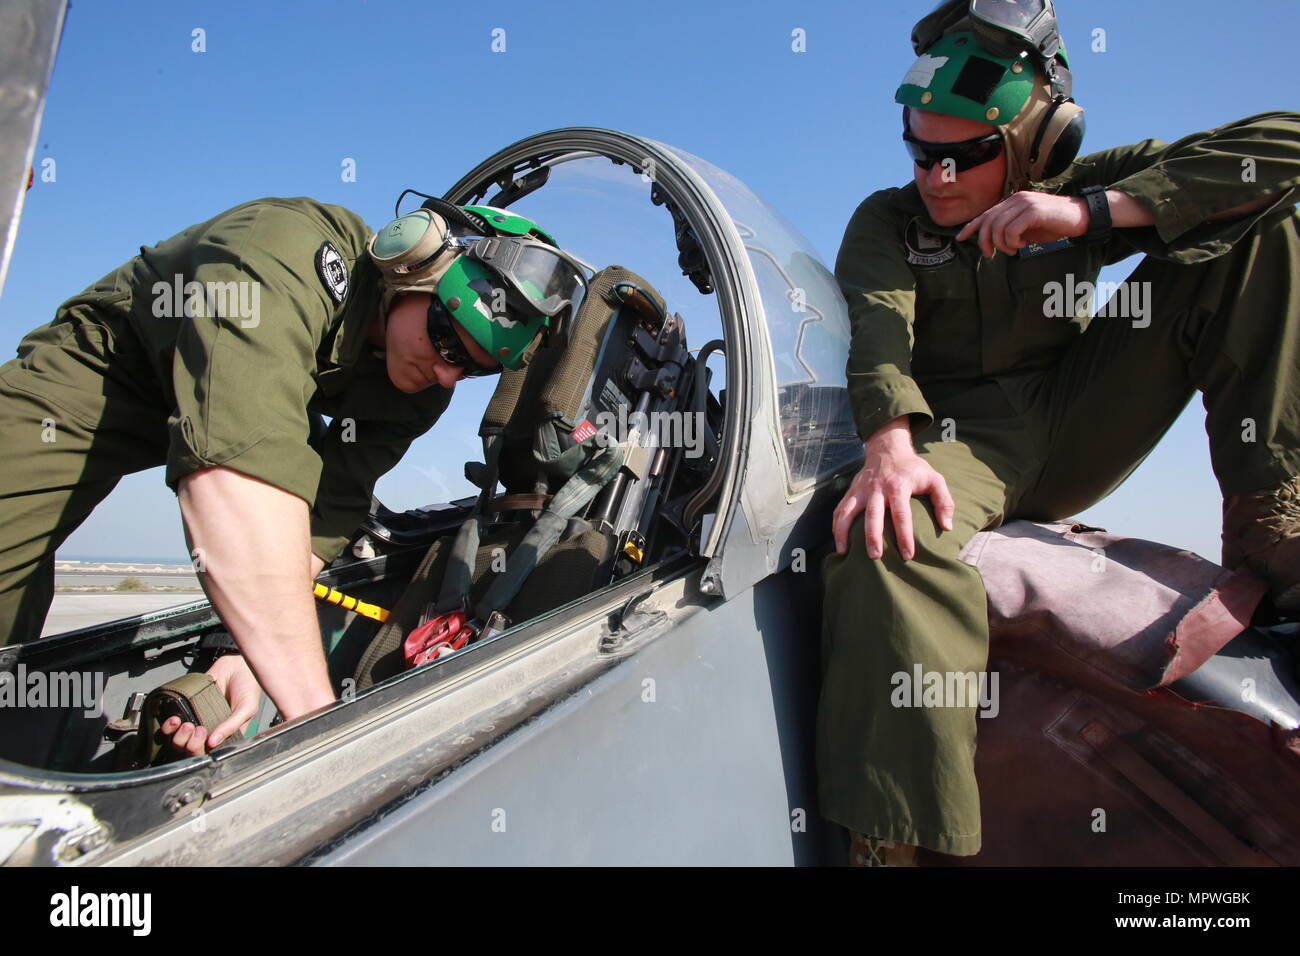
577	498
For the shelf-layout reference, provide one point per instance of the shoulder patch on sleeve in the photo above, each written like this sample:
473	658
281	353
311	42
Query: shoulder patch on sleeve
332	270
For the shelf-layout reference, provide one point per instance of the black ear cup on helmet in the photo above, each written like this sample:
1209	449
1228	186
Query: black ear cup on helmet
1067	146
1057	140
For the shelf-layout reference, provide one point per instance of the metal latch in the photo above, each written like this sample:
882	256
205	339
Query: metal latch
130	719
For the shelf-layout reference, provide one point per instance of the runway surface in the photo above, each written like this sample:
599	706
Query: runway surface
71	611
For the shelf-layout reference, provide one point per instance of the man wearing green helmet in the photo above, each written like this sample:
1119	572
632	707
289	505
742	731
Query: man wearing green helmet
985	390
218	353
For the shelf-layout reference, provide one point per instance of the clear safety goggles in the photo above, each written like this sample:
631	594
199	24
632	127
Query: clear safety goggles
541	277
1005	27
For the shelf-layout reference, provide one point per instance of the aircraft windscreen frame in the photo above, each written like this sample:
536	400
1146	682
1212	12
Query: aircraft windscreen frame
807	325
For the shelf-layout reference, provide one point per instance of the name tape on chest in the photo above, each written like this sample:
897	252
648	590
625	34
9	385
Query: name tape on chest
1043	248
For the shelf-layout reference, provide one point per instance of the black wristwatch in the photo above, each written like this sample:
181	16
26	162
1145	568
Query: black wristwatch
1098	214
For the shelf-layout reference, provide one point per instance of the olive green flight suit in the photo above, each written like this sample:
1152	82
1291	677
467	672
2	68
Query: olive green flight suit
1032	411
143	369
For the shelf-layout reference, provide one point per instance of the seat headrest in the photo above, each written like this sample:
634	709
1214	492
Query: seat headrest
553	382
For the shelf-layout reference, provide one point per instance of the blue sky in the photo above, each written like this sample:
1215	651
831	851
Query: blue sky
149	137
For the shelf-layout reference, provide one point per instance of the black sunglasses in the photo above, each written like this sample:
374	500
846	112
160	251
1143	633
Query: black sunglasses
442	333
966	154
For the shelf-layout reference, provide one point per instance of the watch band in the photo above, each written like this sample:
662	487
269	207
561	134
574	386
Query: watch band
1098	213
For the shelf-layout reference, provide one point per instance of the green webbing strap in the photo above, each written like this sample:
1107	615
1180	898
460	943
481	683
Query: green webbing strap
568	501
460	562
547	453
460	567
603	465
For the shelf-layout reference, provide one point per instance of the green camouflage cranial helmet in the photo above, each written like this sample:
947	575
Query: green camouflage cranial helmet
957	76
448	251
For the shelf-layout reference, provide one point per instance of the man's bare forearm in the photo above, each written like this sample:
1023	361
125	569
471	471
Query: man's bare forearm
1125	211
252	543
893	435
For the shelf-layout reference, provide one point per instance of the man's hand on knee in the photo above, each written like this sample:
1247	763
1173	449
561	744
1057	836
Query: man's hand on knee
892	475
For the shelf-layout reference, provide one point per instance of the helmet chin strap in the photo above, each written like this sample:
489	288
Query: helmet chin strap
380	333
1016	178
1020	138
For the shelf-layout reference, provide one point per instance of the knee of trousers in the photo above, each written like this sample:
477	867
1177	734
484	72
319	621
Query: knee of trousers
935	560
931	610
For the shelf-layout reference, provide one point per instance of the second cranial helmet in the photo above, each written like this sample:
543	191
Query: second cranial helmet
498	274
979	63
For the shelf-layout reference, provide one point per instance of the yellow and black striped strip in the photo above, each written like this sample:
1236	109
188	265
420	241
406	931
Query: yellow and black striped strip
373	611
